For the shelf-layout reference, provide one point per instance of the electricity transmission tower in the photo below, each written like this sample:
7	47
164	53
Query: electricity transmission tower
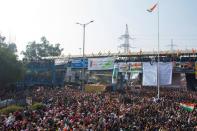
126	45
172	45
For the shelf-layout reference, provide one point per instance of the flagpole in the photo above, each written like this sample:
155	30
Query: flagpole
158	59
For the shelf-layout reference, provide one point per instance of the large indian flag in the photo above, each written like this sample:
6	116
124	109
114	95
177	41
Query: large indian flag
188	106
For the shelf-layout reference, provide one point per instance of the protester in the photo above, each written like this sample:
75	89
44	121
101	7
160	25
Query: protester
70	109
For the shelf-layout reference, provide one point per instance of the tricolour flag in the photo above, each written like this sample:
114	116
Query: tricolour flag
152	8
188	106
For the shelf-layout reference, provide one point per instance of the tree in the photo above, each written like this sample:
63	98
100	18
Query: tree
35	51
11	46
11	69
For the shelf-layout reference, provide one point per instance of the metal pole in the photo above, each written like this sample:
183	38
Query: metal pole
158	60
83	68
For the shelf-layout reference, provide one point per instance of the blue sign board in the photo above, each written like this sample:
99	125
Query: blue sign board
78	63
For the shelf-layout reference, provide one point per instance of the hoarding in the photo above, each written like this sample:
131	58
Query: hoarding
78	63
135	67
123	67
61	61
106	63
184	67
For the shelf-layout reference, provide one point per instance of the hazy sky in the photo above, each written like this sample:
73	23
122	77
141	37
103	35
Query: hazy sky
23	21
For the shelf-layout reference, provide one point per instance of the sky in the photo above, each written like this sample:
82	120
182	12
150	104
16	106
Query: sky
23	21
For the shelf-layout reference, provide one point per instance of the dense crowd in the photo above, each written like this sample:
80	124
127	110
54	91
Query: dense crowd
68	109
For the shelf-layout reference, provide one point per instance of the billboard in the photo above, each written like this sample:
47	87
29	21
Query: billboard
135	67
184	67
123	67
78	63
106	63
61	61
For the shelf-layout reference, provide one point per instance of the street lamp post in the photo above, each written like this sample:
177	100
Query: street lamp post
83	68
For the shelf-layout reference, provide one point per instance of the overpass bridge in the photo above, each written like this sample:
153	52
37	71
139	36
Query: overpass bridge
175	54
51	71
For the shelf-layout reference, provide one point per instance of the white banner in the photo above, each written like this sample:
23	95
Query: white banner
106	63
165	73
150	74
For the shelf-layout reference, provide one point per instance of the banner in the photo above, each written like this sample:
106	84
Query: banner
106	63
150	73
78	63
123	67
165	73
196	70
184	67
135	67
61	61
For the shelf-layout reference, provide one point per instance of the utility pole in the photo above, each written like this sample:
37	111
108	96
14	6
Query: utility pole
83	68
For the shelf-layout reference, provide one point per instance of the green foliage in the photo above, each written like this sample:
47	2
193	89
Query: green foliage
37	106
10	109
12	47
35	51
11	69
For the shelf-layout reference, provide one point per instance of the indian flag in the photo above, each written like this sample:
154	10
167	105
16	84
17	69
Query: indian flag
187	106
152	8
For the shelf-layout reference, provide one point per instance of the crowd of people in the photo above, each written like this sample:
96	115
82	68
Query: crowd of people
68	109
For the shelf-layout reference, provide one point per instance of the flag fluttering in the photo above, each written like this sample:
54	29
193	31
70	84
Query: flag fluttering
188	106
152	8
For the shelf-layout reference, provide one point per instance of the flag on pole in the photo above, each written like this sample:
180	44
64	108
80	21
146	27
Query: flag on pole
152	8
187	106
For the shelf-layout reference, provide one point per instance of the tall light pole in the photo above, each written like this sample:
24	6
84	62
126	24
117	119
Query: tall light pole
158	53
83	68
158	49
